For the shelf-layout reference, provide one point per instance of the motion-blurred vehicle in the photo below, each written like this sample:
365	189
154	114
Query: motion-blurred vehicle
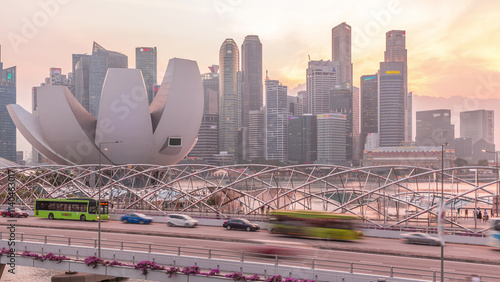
271	249
136	218
315	224
494	232
14	212
241	224
421	238
181	220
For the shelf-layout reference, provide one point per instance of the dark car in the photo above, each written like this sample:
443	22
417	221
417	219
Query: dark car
14	212
136	218
240	223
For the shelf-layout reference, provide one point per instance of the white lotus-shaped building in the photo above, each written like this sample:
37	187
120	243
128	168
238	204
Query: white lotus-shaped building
161	133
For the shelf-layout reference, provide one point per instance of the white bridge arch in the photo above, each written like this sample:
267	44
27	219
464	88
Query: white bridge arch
381	195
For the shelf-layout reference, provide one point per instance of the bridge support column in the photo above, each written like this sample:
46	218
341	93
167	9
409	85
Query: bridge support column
71	276
2	267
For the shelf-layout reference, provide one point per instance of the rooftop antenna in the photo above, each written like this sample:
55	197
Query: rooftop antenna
267	76
309	57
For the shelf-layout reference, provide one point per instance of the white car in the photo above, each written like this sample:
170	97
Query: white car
181	220
421	238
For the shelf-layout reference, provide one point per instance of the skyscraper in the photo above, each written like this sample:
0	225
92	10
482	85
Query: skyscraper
331	139
82	79
368	107
395	41
207	145
100	62
302	138
8	92
211	91
257	134
251	70
321	77
277	121
341	101
341	52
391	105
228	97
434	128
478	124
145	60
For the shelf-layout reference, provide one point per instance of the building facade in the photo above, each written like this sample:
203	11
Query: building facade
395	41
100	62
277	121
251	71
391	105
478	125
228	98
207	145
331	136
81	79
257	135
434	128
368	107
341	52
419	156
321	77
8	94
145	60
341	101
302	139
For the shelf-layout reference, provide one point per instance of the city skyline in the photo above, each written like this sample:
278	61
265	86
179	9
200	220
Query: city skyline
443	37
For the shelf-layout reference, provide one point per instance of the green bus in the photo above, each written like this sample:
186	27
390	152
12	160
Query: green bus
315	224
71	208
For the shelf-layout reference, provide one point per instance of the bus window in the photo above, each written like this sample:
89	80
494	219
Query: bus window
52	207
104	209
496	225
92	209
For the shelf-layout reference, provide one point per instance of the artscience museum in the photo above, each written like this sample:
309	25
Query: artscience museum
161	133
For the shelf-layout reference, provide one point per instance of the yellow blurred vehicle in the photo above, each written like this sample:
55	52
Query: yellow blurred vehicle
315	224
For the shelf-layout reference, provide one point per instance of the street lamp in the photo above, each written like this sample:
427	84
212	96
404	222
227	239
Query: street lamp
442	208
496	166
99	201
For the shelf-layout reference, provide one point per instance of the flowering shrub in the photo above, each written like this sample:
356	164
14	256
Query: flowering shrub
49	256
146	264
275	278
172	271
4	251
236	276
191	270
94	261
114	262
254	277
212	272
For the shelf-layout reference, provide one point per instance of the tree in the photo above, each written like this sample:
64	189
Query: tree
482	163
460	162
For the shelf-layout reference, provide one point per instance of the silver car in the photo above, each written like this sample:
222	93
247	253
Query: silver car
421	238
181	220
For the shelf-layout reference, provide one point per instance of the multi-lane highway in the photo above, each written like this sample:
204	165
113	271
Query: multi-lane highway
466	259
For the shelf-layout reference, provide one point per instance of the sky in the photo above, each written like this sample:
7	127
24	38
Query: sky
453	46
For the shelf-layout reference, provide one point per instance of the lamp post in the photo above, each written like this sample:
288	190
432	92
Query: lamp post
496	168
442	208
99	201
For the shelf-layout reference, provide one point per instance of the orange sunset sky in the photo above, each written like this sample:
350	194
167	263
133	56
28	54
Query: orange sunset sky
453	46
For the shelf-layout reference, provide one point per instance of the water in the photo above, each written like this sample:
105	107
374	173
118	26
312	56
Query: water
32	274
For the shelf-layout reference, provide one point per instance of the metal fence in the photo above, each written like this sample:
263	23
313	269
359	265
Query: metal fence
240	256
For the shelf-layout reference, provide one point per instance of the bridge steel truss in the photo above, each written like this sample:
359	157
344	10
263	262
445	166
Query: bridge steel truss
381	195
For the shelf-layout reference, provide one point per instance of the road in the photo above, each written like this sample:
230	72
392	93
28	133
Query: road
459	258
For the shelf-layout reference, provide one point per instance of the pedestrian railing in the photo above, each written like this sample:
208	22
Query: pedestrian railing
302	261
